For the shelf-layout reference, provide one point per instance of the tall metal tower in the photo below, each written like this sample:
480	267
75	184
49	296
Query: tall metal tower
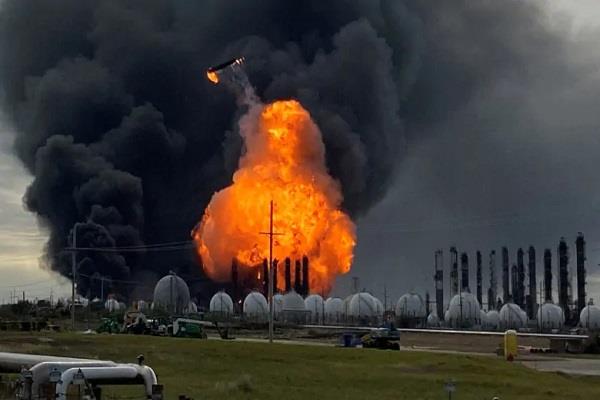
520	292
453	271
464	269
548	276
479	279
439	283
493	290
505	276
532	303
563	277
580	246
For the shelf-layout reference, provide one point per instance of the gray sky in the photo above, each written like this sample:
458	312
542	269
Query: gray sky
415	218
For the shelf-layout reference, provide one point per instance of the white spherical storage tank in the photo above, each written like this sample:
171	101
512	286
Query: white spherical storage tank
492	320
191	308
410	305
294	310
141	305
255	307
362	305
316	308
171	293
512	317
463	311
550	316
589	317
334	309
221	303
277	304
432	320
379	307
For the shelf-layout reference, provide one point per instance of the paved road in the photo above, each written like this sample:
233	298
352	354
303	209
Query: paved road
571	366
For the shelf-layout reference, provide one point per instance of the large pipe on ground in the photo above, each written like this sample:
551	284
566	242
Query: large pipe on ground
108	375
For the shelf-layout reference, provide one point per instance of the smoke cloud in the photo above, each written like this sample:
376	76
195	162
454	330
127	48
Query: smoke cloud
124	135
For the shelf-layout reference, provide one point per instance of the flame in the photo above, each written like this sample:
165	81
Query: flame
284	161
212	76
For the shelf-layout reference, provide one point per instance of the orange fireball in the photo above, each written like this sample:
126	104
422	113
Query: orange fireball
284	161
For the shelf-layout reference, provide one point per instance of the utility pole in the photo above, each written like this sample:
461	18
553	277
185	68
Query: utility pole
271	234
73	270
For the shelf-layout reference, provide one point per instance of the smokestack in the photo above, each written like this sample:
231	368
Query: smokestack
548	275
580	246
563	277
234	280
532	303
439	283
479	279
288	274
265	277
464	269
453	271
275	275
505	276
297	282
514	276
493	290
427	302
520	293
305	278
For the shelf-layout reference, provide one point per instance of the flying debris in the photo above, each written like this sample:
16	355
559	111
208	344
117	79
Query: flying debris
213	72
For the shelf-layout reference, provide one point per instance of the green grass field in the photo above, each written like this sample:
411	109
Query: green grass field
211	369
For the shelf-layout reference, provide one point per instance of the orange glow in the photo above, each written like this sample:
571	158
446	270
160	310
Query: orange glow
284	160
212	76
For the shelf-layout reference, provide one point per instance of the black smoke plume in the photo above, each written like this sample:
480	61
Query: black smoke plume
124	135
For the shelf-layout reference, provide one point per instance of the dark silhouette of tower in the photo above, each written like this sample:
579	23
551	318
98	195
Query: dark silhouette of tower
427	302
439	283
275	261
453	271
548	275
520	292
288	274
563	277
297	278
532	296
493	290
305	277
505	276
479	279
580	246
464	269
514	276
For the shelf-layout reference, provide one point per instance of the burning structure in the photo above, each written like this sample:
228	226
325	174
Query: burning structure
284	162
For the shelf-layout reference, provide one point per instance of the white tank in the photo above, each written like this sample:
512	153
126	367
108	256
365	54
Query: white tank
122	306
362	305
277	304
346	304
315	306
111	305
292	301
379	307
463	311
171	293
255	307
550	316
410	305
334	309
432	320
512	317
589	317
492	320
221	303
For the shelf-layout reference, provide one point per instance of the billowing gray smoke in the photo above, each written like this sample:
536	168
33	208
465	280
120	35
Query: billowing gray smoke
123	133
